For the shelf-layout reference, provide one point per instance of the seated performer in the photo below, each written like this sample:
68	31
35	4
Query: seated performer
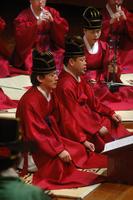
81	116
117	30
99	61
4	64
39	27
11	186
5	101
56	157
102	65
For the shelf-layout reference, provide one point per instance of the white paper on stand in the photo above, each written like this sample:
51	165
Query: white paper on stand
123	142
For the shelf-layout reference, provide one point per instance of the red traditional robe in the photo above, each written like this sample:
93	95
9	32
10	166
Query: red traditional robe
97	68
38	125
82	115
4	64
123	31
97	64
6	102
46	36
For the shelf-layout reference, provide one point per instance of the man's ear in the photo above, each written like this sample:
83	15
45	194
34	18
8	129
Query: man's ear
40	78
71	61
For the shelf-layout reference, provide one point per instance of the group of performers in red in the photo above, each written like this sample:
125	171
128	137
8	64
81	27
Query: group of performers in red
67	117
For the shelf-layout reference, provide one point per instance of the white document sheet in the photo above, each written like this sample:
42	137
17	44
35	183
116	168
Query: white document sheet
127	115
15	87
21	81
127	79
118	144
78	193
14	94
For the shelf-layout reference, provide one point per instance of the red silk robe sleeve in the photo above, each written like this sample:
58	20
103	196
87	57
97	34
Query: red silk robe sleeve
59	28
25	30
69	127
95	104
37	130
105	59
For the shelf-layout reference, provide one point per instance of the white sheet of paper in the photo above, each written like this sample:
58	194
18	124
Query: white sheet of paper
7	115
127	115
118	143
75	192
14	94
16	81
127	78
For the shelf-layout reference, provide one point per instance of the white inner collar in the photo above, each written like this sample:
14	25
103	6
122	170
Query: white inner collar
68	71
36	16
48	97
91	50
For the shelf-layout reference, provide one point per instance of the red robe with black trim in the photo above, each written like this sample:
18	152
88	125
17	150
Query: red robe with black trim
45	36
82	115
97	68
122	31
39	126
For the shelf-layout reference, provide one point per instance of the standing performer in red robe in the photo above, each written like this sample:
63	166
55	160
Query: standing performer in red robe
56	157
82	117
117	29
4	64
102	65
39	27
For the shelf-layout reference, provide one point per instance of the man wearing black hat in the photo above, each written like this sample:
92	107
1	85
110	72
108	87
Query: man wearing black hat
82	117
102	64
96	51
55	156
11	186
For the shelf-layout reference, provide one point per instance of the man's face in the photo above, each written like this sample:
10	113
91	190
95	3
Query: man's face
49	81
79	65
38	3
92	35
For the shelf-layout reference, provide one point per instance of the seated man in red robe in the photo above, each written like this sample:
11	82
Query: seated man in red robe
117	30
56	157
82	117
41	27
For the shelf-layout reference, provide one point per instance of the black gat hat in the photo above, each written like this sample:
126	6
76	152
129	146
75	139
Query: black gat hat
92	18
74	47
43	63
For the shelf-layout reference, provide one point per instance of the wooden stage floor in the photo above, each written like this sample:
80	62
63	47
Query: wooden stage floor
108	191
